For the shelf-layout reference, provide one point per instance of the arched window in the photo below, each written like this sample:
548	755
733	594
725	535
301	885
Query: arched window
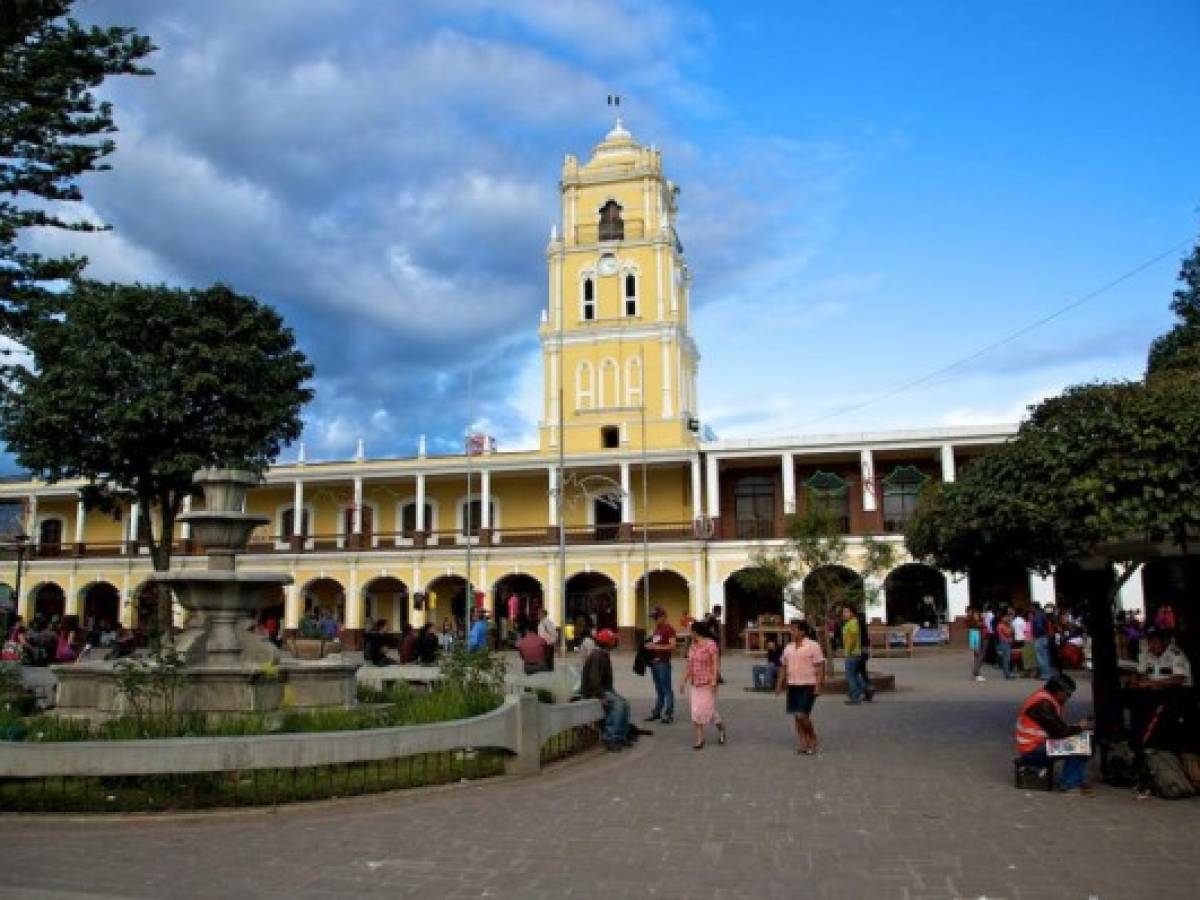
471	514
408	519
50	535
631	294
287	523
633	381
610	383
901	491
585	385
612	226
589	299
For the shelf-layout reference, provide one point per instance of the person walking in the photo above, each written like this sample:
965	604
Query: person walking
659	647
977	639
803	674
856	684
1004	644
702	674
1040	628
548	632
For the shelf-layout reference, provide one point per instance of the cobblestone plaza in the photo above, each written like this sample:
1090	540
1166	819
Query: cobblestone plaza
912	796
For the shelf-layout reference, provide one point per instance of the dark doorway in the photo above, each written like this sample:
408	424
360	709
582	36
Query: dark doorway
916	595
748	599
591	597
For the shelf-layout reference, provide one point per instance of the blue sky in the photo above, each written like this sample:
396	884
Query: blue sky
869	192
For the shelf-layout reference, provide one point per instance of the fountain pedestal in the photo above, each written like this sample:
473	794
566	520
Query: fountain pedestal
228	667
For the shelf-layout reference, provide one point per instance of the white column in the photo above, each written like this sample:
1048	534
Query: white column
421	524
626	496
554	600
418	617
626	603
298	510
958	595
789	484
713	484
696	510
485	499
293	606
698	606
185	530
358	505
666	379
948	470
1132	594
134	512
866	462
716	594
80	516
31	527
74	603
128	603
354	601
658	275
877	605
552	497
1041	588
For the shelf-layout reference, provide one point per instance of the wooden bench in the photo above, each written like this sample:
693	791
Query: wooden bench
881	637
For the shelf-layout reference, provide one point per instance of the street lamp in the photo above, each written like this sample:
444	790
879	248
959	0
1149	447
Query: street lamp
20	541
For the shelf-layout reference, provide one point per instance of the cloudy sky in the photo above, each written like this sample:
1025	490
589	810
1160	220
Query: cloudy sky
870	191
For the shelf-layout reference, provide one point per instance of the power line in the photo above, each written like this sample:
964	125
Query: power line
1019	333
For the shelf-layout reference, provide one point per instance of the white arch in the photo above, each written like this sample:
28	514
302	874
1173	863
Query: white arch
609	365
633	381
585	385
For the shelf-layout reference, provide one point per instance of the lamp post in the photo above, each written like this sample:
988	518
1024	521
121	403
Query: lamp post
20	541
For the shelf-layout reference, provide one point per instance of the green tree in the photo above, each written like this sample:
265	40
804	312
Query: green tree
1179	348
1100	475
52	130
816	553
135	387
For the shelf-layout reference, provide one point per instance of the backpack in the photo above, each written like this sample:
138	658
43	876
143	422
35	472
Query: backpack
1120	764
1167	777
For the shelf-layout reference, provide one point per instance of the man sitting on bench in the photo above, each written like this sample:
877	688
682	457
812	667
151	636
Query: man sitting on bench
1040	719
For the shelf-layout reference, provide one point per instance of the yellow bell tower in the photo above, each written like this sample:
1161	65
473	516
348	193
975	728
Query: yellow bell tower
616	345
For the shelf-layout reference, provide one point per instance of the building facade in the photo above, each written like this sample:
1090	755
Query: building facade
649	513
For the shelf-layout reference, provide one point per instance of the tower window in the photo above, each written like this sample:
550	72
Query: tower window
612	226
610	437
589	299
630	294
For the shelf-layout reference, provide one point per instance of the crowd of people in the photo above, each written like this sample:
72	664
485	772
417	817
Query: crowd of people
1038	642
56	640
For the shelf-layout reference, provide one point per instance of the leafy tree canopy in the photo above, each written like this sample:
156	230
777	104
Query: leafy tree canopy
1179	348
52	130
1100	463
138	386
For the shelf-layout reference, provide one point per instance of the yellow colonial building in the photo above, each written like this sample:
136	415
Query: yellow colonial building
644	507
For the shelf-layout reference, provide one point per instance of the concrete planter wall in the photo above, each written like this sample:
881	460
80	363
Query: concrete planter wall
520	726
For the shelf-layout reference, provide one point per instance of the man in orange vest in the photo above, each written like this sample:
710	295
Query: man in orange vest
1040	719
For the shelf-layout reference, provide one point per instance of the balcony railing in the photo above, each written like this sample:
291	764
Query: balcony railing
629	230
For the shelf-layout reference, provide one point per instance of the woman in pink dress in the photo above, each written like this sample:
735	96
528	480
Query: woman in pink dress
703	670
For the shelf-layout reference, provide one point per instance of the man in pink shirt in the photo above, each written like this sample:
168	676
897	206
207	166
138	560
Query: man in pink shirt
802	671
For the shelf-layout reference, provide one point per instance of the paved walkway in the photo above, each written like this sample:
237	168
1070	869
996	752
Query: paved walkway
912	797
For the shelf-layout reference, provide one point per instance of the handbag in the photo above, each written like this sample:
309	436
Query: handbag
639	661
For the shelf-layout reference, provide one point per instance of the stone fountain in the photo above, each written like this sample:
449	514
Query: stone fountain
228	668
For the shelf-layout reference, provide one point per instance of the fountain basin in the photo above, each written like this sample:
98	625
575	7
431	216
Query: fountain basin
225	489
223	530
